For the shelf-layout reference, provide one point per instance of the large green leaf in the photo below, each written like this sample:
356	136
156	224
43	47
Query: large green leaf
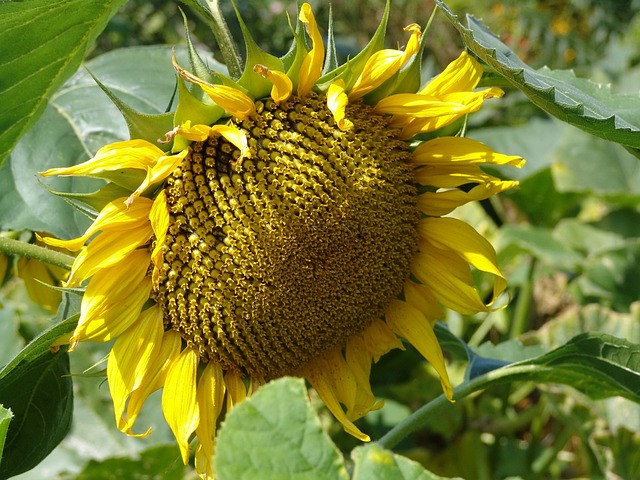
597	364
37	387
79	120
159	462
275	434
375	463
573	100
44	42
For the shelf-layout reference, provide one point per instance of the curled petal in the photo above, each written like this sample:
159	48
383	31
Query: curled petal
210	395
459	237
153	378
311	67
237	103
461	75
159	217
158	172
323	377
282	84
337	101
236	389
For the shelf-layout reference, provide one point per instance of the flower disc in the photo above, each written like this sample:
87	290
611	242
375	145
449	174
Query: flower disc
274	259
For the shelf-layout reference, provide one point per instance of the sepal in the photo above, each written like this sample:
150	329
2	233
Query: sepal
143	126
197	64
254	83
192	109
350	70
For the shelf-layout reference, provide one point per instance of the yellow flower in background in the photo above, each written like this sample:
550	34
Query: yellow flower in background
38	277
298	228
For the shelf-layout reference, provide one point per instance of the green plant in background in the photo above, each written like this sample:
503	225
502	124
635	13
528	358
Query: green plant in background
566	239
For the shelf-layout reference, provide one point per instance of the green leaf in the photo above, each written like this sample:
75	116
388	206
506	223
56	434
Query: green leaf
541	243
275	434
597	364
44	43
572	100
375	463
584	163
78	121
160	462
37	387
5	419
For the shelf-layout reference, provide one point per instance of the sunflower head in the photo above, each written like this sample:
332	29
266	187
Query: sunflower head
290	222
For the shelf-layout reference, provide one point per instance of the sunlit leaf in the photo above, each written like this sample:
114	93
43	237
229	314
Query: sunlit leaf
37	387
79	120
597	364
44	42
160	462
372	462
572	100
275	434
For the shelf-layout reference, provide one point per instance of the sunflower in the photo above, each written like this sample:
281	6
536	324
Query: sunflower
290	223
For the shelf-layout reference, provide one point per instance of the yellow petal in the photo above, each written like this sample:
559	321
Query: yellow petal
153	378
210	396
114	216
282	84
130	359
383	64
179	399
158	172
379	339
337	101
38	279
113	299
462	74
415	105
443	202
311	67
136	154
421	298
236	389
237	103
450	176
359	361
449	279
159	217
458	150
322	381
461	238
408	322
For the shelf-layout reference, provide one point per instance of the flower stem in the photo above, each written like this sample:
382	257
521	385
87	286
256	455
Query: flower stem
16	247
420	417
227	46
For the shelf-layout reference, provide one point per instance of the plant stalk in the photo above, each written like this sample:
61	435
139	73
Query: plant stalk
418	419
29	250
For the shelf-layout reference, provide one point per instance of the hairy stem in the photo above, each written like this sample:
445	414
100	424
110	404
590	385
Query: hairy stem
16	247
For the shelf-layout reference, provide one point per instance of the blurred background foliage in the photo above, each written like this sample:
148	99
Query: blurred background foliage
568	241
